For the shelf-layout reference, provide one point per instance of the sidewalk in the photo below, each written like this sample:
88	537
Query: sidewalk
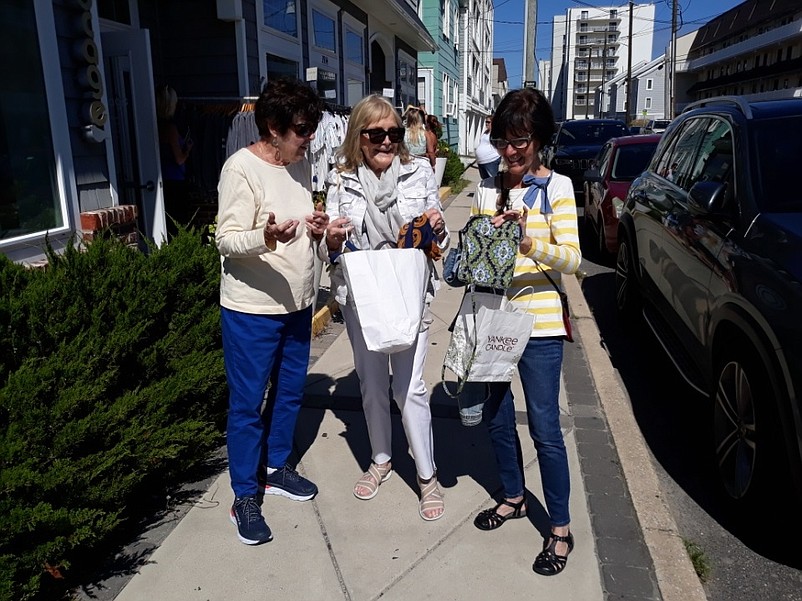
337	547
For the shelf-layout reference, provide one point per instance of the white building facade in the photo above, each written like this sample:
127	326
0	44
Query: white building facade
590	47
476	53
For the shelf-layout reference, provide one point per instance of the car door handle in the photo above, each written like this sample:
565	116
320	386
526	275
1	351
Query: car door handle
148	186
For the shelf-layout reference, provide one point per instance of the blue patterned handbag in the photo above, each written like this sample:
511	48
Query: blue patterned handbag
487	253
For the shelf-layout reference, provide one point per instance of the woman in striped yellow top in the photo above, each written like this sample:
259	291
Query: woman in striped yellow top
543	203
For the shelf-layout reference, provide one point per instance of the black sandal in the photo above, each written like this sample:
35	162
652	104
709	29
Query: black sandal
547	562
490	519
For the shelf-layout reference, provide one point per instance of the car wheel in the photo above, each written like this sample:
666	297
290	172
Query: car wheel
627	293
745	427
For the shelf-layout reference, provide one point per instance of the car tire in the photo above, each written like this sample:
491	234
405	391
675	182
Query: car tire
627	293
745	429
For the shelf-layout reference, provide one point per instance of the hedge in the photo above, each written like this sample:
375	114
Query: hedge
113	391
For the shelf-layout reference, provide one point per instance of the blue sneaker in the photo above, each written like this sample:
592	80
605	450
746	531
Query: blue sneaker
289	483
251	526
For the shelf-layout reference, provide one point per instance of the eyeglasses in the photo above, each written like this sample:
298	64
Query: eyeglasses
516	143
376	136
304	129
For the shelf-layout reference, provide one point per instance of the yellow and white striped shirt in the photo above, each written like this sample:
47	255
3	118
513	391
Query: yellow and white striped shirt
555	248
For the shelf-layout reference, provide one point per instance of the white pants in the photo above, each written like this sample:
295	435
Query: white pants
409	392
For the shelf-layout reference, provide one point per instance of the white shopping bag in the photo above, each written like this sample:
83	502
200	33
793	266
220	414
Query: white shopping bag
388	288
487	344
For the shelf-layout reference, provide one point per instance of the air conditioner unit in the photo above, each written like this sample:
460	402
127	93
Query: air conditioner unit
449	109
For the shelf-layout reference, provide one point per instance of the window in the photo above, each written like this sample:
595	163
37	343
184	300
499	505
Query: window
115	10
447	20
30	197
714	162
354	50
583	39
649	84
584	15
323	31
614	14
648	103
583	27
677	160
281	15
280	67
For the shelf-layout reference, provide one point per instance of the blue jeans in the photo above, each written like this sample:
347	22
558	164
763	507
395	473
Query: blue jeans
539	368
489	169
258	349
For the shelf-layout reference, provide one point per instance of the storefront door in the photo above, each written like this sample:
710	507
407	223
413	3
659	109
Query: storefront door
129	79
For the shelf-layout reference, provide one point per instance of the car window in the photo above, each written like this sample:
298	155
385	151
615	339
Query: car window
631	160
677	159
579	132
777	145
604	158
714	163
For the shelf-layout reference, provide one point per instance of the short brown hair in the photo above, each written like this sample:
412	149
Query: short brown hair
283	99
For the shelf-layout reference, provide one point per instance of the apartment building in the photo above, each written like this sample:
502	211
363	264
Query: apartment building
753	49
590	47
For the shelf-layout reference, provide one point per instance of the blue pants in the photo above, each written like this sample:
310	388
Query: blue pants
489	169
258	349
539	368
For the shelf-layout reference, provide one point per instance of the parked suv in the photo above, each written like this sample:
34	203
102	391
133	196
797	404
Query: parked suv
576	143
710	248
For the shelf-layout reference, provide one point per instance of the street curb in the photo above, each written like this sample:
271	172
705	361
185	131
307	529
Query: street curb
323	316
676	577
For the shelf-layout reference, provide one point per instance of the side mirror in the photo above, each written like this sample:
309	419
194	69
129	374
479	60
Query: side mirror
707	197
592	175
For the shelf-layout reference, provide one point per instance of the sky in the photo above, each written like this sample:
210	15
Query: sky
510	14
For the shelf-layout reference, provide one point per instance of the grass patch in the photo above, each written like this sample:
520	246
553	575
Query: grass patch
699	559
459	185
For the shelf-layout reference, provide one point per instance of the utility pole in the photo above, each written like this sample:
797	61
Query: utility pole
530	37
672	79
628	102
604	76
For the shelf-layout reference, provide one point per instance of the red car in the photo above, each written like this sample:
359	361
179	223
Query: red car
607	182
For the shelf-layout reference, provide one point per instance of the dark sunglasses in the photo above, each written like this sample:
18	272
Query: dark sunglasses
304	129
516	143
376	136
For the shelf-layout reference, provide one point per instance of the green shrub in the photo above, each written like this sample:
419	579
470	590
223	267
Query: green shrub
113	391
454	169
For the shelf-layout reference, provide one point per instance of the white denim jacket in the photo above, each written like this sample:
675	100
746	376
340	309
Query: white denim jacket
417	193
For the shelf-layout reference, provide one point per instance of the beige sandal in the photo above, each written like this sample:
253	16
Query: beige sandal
371	480
431	499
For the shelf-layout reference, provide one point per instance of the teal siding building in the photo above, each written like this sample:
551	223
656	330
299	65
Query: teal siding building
439	71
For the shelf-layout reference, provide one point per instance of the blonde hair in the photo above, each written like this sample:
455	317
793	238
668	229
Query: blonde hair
369	110
415	125
166	101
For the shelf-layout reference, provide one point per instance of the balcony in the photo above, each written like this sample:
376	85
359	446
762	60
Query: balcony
770	38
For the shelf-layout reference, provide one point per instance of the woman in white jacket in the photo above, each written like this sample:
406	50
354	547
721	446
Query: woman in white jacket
376	189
